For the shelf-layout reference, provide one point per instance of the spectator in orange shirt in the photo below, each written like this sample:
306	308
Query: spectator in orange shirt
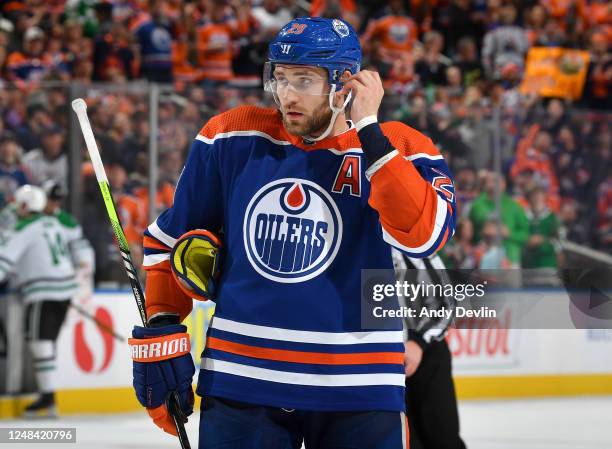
389	42
533	155
332	9
183	70
139	185
569	14
163	199
599	14
131	212
219	27
130	209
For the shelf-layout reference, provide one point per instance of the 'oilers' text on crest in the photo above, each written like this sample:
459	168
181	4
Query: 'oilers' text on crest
292	230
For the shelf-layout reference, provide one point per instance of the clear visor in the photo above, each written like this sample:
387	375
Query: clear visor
281	79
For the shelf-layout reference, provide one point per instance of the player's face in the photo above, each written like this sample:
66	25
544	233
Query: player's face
303	94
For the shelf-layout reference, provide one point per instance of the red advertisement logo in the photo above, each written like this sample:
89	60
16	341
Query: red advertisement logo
88	355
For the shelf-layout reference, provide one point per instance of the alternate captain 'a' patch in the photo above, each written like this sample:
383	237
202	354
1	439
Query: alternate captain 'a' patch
292	230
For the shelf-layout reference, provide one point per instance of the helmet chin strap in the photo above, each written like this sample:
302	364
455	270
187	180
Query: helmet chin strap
335	112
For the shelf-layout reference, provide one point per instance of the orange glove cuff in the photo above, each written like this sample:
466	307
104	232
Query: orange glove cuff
162	419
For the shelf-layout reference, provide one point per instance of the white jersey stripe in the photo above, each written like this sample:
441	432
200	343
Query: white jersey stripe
317	380
248	133
412	157
298	336
160	235
154	259
210	141
379	164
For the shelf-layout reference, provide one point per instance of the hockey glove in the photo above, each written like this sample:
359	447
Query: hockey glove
195	263
163	367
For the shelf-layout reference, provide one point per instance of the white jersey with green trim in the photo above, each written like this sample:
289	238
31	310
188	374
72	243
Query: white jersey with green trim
36	257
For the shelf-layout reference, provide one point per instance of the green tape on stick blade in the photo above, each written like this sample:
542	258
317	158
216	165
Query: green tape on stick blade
112	214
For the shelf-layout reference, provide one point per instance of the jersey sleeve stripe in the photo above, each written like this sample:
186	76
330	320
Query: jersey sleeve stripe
160	235
329	338
447	233
431	157
442	212
305	357
329	380
379	164
151	260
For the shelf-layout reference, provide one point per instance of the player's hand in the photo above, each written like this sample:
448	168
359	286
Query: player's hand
162	367
413	354
368	92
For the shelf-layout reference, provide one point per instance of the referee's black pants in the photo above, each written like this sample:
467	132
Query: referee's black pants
431	405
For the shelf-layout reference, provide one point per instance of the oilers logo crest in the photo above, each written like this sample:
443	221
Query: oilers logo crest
292	230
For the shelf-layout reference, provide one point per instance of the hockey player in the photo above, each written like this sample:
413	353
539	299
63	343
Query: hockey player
305	200
82	253
36	258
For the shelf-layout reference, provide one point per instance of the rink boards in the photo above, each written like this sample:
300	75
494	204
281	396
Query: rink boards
94	367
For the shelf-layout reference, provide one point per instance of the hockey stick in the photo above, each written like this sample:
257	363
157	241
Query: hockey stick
80	108
103	327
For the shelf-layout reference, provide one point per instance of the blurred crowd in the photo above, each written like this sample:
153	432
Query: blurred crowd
452	69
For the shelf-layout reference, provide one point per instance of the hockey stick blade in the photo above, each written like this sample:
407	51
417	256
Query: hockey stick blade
80	108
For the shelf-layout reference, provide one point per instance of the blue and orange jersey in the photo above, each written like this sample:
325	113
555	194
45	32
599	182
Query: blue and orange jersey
155	41
299	223
27	68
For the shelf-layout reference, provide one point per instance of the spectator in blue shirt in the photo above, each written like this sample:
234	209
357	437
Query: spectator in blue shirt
154	33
